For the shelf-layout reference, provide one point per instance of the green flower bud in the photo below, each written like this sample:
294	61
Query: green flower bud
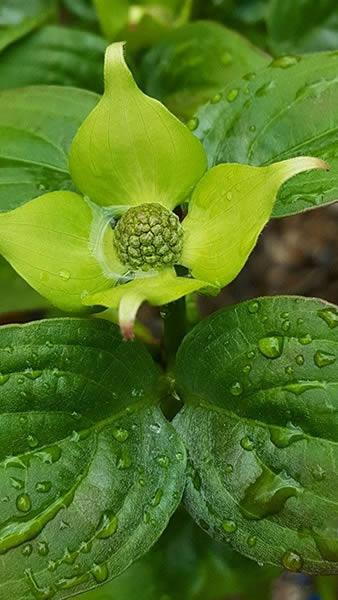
148	236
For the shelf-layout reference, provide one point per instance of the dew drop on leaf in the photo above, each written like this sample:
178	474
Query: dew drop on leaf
193	124
253	307
216	98
305	339
4	378
163	461
324	359
299	360
157	497
318	473
232	94
284	62
107	526
229	526
247	443
23	503
100	573
43	486
271	347
43	548
330	317
292	561
27	550
121	435
226	58
252	541
236	389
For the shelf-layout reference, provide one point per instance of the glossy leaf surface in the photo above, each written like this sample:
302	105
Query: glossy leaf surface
19	17
194	63
54	55
260	385
90	470
288	109
37	125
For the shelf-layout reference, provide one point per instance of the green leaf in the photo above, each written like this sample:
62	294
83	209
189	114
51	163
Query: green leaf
19	17
54	55
305	26
192	64
288	109
131	150
227	212
82	442
37	125
82	9
260	385
185	563
61	246
16	295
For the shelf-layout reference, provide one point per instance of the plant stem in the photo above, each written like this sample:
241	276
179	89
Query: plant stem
175	328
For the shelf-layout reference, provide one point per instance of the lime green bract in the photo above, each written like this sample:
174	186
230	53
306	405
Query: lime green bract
118	244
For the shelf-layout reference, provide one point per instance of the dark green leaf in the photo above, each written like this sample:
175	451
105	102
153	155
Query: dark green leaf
194	63
90	469
37	125
16	294
83	9
307	26
19	17
286	110
260	384
185	563
54	55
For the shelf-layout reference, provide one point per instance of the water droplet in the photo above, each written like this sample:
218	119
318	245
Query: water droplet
268	494
50	454
288	370
303	386
146	517
31	374
124	461
43	548
252	128
271	347
107	526
250	76
292	561
318	473
265	88
23	503
229	469
284	62
4	378
216	98
100	573
299	359
283	438
193	123
121	435
17	484
324	359
253	307
32	441
163	461
236	389
251	354
179	455
252	541
305	339
157	497
286	325
330	317
43	487
27	550
226	58
155	427
247	369
229	526
247	443
65	275
232	94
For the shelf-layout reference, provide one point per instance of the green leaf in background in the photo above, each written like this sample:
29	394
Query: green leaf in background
287	109
185	563
16	294
306	26
90	470
37	125
192	64
260	385
19	17
57	56
82	9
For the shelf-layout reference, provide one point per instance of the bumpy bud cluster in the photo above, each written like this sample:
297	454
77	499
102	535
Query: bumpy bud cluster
148	236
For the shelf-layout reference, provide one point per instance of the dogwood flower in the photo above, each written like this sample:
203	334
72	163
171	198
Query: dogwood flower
118	242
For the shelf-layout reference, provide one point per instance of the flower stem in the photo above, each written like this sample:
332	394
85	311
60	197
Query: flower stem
175	328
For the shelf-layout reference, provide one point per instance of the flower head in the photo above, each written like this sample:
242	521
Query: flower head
118	242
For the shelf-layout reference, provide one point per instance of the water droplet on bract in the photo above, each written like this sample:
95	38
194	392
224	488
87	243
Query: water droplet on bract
286	325
43	487
163	461
4	378
330	317
179	455
23	503
229	469
284	62
252	128
250	76
226	58
324	359
229	526
107	526
303	386
120	434
50	455
247	369
267	495
155	427
31	374
271	347
17	484
305	339
284	437
65	275
27	550
232	95
318	473
292	561
247	443
100	573
193	123
124	460
252	541
32	441
299	359
251	354
43	548
216	98
236	389
253	307
156	499
146	517
288	370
